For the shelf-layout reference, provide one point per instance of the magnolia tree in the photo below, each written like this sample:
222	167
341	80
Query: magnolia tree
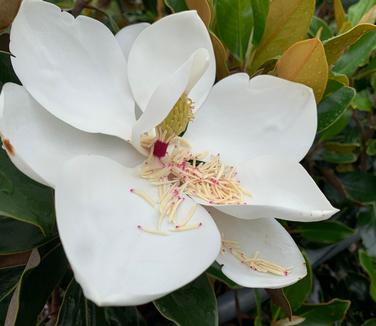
149	149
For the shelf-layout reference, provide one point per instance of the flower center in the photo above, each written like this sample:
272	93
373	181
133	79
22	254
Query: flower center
176	171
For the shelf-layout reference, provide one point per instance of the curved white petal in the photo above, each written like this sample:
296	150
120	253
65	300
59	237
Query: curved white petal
42	143
162	48
127	35
273	243
169	92
280	188
243	119
72	67
115	262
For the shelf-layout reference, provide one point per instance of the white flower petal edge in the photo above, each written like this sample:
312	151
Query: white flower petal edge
127	35
169	92
280	188
41	143
73	67
273	243
162	48
114	261
242	119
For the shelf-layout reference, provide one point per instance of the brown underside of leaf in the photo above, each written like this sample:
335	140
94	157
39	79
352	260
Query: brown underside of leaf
305	62
221	56
8	10
203	9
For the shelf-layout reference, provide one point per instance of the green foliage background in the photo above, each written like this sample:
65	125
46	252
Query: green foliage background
36	284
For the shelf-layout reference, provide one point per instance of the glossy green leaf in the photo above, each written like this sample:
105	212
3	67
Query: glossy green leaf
18	236
370	322
369	265
78	311
233	25
326	232
357	10
333	107
363	101
371	147
338	158
215	271
194	304
9	276
336	127
4	304
260	10
36	285
176	5
357	55
360	186
318	25
298	293
30	202
323	314
335	46
367	227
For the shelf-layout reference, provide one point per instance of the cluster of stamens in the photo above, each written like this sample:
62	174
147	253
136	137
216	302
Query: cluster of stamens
176	171
255	263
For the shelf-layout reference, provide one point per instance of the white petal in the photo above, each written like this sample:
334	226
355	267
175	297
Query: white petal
273	243
115	262
127	35
42	143
243	119
280	188
72	67
162	48
168	93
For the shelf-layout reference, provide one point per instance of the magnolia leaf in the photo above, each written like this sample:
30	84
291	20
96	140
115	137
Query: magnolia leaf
18	236
327	232
333	107
9	277
369	17
7	73
363	101
215	271
357	55
194	304
320	27
260	10
305	62
233	25
360	186
78	311
359	9
287	22
34	287
279	299
203	9
8	11
295	320
29	202
176	5
339	14
370	322
221	56
336	127
323	313
341	78
335	46
369	266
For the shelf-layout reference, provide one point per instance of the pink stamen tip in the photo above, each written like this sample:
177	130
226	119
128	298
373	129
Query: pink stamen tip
131	189
286	273
139	227
177	226
200	224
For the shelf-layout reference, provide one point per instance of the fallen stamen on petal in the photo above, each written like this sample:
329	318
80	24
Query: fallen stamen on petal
255	263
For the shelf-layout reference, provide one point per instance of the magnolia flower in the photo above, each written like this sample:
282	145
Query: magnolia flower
140	210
